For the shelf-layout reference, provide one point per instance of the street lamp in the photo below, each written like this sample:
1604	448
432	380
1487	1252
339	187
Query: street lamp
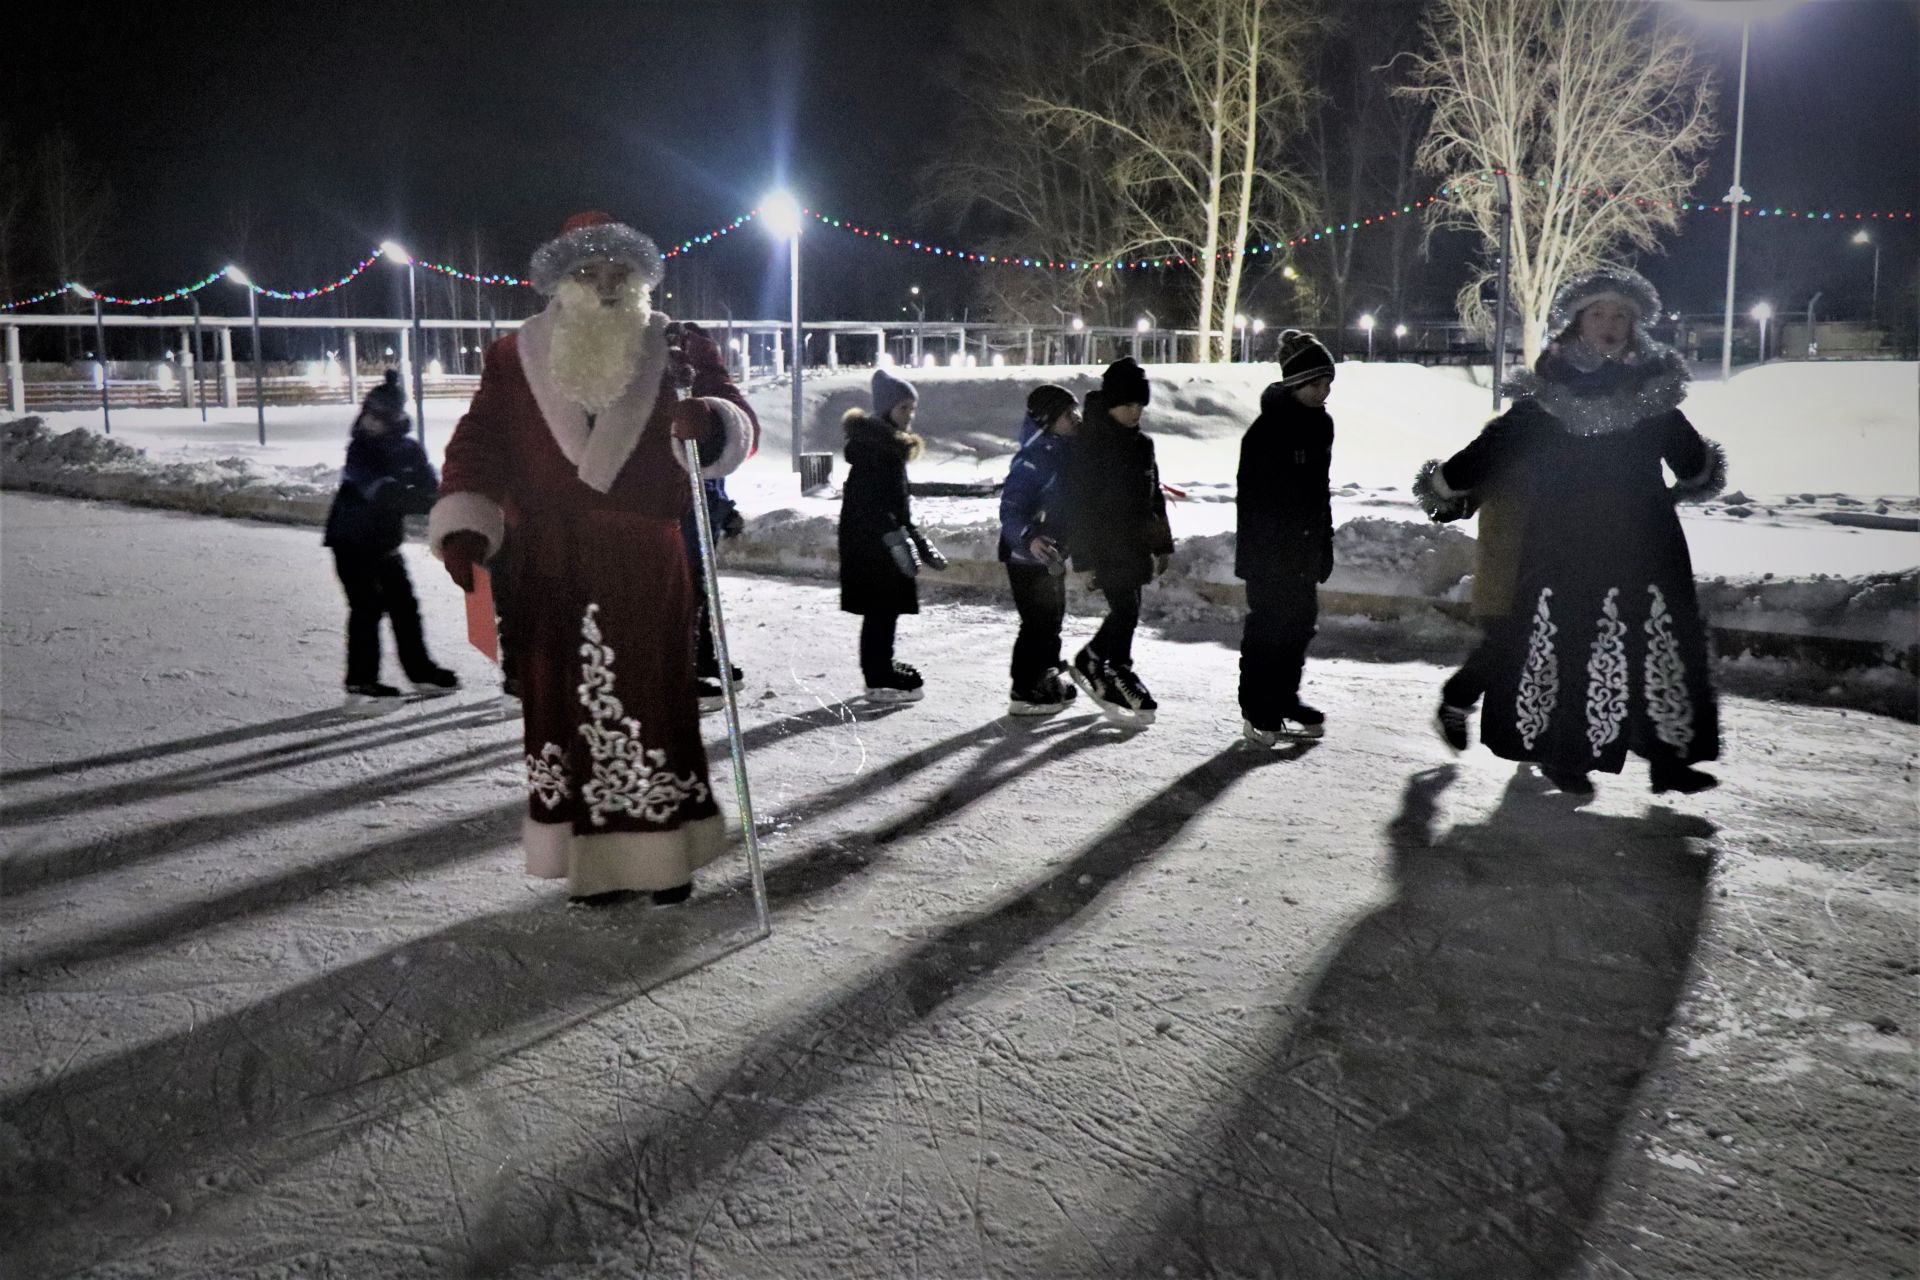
395	254
100	349
1367	322
1240	323
1259	327
782	215
920	321
239	277
1762	312
1399	337
1863	236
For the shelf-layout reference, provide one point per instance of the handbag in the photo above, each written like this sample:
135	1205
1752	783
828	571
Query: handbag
900	546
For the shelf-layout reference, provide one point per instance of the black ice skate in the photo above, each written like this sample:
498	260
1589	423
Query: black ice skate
713	697
1119	694
435	682
1452	723
372	698
902	684
1048	696
1298	724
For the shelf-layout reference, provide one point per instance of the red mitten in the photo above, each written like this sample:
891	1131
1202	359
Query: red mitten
460	552
694	420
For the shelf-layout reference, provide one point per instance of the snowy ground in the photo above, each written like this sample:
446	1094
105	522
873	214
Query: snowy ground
1041	999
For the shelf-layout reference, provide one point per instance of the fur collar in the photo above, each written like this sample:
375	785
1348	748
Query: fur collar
864	431
598	450
1613	398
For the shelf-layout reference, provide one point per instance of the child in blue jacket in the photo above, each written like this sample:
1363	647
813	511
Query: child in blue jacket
1033	543
386	479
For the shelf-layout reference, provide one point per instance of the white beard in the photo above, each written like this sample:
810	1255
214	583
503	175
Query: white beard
596	348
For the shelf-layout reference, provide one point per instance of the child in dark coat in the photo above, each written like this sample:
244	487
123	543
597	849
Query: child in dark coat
387	478
880	550
1033	543
1120	532
1283	545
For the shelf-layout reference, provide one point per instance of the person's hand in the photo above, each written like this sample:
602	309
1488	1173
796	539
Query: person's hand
733	525
929	554
694	420
1160	563
1044	549
460	552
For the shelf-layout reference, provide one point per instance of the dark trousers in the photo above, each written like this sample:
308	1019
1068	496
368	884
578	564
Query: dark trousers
1041	598
377	586
876	644
1114	640
1465	686
1282	614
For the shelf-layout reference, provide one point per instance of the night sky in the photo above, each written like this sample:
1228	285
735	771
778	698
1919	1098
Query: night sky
296	136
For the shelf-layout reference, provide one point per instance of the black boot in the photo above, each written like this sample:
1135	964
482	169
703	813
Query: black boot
674	896
1574	782
1668	775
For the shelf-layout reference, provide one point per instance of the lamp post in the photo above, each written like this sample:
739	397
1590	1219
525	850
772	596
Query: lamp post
1762	312
1079	326
394	253
99	350
782	214
239	277
1737	196
920	320
1367	322
1240	323
1863	236
1399	338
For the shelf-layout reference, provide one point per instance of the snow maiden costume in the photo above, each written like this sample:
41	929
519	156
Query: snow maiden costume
575	450
1608	651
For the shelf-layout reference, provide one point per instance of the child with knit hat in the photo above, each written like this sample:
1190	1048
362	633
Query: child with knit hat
387	478
1033	542
1283	542
1120	532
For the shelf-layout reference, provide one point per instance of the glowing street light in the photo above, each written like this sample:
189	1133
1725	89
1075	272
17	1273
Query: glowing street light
1367	322
1763	312
1863	236
100	348
783	217
392	252
240	278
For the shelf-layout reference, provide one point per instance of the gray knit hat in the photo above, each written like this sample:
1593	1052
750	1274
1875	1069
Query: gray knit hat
889	391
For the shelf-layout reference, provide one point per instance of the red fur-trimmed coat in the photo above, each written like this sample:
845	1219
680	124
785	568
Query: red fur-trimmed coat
618	793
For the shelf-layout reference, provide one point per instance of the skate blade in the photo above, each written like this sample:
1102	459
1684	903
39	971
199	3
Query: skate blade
428	692
360	704
1015	707
895	695
1120	713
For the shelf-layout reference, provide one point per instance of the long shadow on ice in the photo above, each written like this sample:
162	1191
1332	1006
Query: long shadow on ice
304	1072
1447	1097
545	1212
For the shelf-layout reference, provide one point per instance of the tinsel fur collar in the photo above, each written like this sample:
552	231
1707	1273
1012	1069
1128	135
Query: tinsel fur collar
600	446
865	430
1655	382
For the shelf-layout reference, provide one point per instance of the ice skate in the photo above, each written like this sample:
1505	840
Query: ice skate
902	684
372	699
1049	696
713	695
1100	681
435	682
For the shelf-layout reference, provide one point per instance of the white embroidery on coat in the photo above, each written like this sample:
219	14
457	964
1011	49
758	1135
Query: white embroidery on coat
1607	676
628	777
1668	704
1540	680
547	775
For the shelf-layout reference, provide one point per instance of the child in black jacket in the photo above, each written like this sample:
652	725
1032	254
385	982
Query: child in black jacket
1120	531
387	478
1283	545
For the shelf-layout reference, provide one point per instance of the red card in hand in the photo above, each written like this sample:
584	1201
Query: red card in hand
482	634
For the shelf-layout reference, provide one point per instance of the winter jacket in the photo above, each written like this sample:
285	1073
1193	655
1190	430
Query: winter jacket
1117	512
873	503
1285	527
386	479
1033	501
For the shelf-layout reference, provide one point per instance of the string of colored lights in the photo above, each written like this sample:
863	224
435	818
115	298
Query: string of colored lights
966	255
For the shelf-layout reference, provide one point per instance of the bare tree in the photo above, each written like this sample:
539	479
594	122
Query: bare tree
1166	142
1599	112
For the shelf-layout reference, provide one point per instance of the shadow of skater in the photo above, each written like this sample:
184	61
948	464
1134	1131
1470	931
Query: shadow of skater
1448	1098
546	1211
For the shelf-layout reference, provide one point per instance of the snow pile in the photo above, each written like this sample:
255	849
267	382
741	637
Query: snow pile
81	464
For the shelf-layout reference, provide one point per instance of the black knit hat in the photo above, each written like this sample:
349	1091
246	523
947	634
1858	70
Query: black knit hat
389	399
1303	358
1047	402
1125	382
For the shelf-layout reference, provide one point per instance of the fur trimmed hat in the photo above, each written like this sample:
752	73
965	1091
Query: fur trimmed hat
889	391
1303	358
1047	402
1125	382
1603	284
590	236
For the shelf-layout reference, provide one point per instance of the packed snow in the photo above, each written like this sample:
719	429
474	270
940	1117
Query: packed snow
1041	998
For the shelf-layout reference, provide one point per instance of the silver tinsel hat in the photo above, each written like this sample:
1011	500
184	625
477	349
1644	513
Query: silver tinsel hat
1603	284
591	236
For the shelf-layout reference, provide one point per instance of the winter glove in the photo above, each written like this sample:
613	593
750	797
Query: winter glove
695	420
929	554
733	524
460	552
900	547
